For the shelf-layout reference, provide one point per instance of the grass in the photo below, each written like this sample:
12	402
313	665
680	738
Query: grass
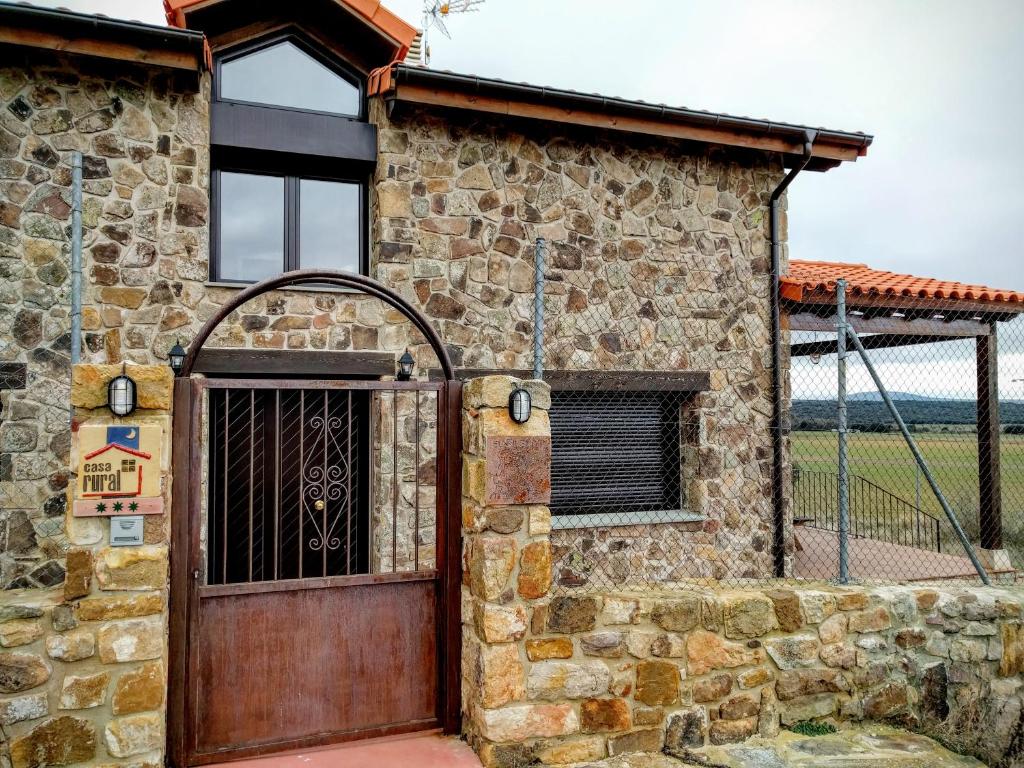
885	460
812	728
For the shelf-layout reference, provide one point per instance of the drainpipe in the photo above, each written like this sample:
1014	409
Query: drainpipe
778	501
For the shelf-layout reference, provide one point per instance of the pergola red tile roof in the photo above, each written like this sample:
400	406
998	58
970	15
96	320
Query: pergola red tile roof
372	12
817	279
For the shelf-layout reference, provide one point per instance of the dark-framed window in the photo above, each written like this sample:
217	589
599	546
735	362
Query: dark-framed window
268	223
287	71
616	454
290	151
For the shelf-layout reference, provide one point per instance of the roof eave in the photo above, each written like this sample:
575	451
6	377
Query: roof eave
86	34
445	89
388	25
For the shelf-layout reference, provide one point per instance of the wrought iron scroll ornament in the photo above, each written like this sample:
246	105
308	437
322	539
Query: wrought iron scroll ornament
323	484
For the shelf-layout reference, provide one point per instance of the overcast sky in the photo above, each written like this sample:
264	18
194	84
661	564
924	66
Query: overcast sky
939	83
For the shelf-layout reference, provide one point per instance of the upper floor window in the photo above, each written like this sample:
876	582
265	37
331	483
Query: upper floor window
268	224
291	156
283	73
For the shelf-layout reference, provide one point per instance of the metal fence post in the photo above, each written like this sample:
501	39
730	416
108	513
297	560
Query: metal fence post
844	478
538	309
76	256
919	457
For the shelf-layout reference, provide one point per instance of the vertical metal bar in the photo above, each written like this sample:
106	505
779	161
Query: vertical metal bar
302	470
277	480
416	492
76	257
252	442
844	480
224	511
394	487
323	519
538	309
919	458
348	488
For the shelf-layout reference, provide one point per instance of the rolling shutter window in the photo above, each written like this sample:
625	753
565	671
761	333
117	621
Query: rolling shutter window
615	452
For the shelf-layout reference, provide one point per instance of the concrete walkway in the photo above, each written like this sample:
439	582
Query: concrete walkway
417	751
817	557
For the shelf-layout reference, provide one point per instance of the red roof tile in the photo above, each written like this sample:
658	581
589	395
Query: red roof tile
371	11
819	277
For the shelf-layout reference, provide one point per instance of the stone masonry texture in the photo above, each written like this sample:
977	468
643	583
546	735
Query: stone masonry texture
553	679
657	261
143	134
83	665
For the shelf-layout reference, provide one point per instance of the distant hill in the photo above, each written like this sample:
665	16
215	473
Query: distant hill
915	409
875	397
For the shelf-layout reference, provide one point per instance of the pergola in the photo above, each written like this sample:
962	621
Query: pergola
892	310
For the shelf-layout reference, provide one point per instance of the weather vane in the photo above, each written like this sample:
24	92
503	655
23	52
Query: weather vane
435	12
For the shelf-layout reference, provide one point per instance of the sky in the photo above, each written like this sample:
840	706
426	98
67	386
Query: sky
939	83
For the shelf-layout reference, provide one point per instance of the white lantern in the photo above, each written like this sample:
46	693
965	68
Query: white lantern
519	404
121	395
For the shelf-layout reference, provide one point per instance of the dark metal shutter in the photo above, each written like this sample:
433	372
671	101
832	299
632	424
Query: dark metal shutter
615	452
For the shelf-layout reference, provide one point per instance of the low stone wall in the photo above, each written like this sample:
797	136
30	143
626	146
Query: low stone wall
581	677
83	666
555	678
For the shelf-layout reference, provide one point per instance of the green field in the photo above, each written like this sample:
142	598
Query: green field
885	460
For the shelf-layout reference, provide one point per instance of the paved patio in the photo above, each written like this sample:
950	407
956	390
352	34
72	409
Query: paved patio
817	557
416	751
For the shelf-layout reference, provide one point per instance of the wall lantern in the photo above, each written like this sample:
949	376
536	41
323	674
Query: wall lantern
176	357
519	404
406	363
121	394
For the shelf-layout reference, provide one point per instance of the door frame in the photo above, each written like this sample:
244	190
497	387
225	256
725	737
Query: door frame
187	457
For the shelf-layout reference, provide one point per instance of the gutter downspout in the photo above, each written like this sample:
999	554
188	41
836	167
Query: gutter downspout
778	468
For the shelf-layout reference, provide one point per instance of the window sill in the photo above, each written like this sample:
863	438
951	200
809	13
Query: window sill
620	519
289	288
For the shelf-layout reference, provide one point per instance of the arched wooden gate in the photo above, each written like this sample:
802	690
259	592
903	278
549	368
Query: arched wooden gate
315	559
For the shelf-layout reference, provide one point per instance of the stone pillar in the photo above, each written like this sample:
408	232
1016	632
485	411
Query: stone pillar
506	486
83	665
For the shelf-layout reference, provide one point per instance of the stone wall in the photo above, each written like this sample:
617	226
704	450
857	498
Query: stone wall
558	679
143	133
83	667
658	260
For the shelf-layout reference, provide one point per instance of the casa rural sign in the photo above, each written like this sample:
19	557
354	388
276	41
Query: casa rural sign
118	471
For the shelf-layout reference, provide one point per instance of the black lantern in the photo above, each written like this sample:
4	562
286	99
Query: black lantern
176	357
121	394
519	404
406	363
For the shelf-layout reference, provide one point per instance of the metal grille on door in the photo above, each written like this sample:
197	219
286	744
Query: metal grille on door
307	483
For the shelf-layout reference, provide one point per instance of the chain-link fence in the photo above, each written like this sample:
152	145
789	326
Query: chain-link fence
660	366
952	368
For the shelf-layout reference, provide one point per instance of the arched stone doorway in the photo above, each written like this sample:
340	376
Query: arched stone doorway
315	552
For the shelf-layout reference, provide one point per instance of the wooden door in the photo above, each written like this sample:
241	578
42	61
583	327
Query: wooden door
317	589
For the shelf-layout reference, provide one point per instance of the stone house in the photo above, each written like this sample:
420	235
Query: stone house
304	474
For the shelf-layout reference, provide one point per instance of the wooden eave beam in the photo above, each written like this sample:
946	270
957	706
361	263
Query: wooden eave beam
107	49
437	97
604	381
826	301
215	362
875	341
892	326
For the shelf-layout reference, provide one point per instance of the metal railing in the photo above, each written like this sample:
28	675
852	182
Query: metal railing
875	513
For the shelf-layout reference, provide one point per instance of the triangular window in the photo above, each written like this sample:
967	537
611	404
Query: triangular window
284	74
